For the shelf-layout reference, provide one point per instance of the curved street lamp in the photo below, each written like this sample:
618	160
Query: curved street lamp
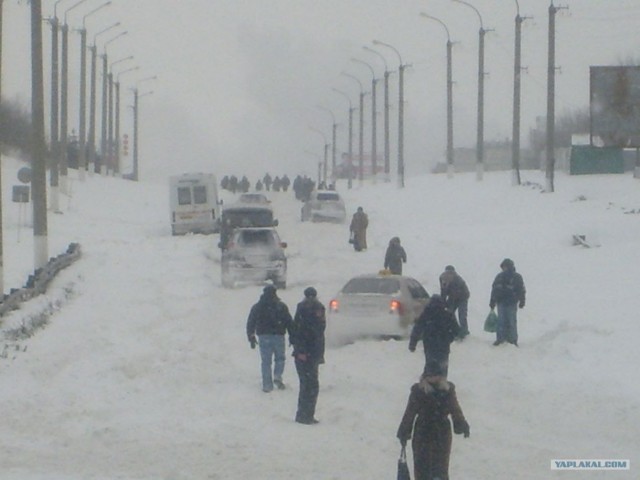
117	167
350	148
387	73
449	96
136	101
334	127
92	99
107	114
326	154
374	122
480	110
361	129
401	69
82	134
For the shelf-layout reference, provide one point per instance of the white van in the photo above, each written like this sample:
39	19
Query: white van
194	203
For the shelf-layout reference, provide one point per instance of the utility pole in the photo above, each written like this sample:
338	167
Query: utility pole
1	217
350	147
551	94
517	74
449	95
39	172
55	114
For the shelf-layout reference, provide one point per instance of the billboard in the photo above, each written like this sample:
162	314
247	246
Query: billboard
615	106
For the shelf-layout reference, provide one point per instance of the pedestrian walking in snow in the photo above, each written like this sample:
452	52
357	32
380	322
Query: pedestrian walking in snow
455	293
308	351
395	256
437	328
358	229
267	324
508	294
431	401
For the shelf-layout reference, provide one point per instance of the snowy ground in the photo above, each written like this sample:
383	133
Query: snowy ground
144	371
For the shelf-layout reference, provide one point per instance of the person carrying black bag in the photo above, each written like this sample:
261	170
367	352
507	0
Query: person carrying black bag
431	401
309	323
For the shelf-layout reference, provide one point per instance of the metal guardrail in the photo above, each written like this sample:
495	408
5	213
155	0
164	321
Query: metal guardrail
38	282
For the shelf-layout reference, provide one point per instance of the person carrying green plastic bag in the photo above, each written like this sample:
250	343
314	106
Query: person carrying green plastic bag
491	322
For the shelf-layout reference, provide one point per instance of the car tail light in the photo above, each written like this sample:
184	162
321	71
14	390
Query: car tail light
395	307
333	305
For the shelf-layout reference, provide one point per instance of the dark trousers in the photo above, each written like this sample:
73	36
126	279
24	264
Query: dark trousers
309	389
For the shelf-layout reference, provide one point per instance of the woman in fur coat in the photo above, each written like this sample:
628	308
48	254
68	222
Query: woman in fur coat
431	401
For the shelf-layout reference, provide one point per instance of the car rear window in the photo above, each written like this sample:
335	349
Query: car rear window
256	237
384	286
328	197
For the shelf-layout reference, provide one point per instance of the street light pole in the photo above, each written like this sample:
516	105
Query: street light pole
350	161
401	69
92	100
361	129
39	172
374	139
55	111
1	216
111	106
387	73
334	127
118	166
136	114
517	73
104	145
449	96
326	153
64	102
480	121
319	164
82	134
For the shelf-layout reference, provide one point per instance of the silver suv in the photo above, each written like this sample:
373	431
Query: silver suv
324	206
254	254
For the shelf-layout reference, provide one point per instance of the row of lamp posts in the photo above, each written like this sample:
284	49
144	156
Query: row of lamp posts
480	163
110	144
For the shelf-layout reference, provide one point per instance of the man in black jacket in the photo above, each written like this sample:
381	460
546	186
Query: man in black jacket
308	351
269	319
437	328
507	293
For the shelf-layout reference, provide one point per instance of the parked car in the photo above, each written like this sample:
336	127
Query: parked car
244	215
254	255
324	206
259	198
376	305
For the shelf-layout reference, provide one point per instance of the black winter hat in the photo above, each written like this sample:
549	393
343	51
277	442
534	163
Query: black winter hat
269	290
310	292
507	263
449	268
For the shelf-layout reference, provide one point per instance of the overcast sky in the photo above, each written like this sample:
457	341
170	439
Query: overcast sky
240	81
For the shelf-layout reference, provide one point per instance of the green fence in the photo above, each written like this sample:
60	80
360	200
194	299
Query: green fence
586	159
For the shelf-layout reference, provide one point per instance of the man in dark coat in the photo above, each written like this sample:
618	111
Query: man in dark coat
507	293
270	319
437	328
431	401
395	256
455	292
308	350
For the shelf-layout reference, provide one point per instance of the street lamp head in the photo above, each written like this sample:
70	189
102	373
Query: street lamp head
105	30
71	8
378	42
463	2
84	18
425	15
